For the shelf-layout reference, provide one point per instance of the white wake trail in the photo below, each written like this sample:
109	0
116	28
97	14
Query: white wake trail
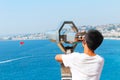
11	60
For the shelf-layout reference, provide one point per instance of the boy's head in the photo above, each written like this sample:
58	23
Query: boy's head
93	39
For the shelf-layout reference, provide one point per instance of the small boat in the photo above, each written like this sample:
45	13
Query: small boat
21	42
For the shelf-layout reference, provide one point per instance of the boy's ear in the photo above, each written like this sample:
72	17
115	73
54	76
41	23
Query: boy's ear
84	42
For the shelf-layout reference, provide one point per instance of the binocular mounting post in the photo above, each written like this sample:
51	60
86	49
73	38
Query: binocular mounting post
65	71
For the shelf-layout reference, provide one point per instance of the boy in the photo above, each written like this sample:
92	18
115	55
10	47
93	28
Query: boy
87	65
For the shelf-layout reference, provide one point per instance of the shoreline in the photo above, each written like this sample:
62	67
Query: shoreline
110	38
48	39
23	40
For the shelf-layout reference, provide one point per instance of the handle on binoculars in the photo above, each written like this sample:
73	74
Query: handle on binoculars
60	45
67	49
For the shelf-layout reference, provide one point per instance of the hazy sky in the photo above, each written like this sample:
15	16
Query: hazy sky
32	16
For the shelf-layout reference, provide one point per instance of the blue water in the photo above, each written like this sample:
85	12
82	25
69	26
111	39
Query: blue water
35	60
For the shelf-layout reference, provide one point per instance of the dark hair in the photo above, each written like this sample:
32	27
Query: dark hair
93	39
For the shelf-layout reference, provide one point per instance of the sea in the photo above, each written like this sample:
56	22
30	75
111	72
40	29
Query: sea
35	60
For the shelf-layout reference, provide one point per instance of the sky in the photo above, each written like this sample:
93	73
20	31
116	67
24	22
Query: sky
33	16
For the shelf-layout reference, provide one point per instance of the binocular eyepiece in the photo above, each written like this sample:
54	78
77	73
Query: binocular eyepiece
80	36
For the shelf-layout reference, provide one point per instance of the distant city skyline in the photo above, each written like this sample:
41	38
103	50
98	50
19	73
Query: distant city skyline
33	16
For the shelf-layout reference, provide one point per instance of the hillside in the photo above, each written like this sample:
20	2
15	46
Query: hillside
108	31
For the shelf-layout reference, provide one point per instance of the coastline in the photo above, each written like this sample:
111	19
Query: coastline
111	38
105	38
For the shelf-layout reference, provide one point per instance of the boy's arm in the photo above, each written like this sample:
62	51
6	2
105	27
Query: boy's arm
66	59
58	58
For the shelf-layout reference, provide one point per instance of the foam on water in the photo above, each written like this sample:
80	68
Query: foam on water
11	60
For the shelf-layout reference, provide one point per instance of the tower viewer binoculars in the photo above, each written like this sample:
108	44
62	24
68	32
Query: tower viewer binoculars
66	34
